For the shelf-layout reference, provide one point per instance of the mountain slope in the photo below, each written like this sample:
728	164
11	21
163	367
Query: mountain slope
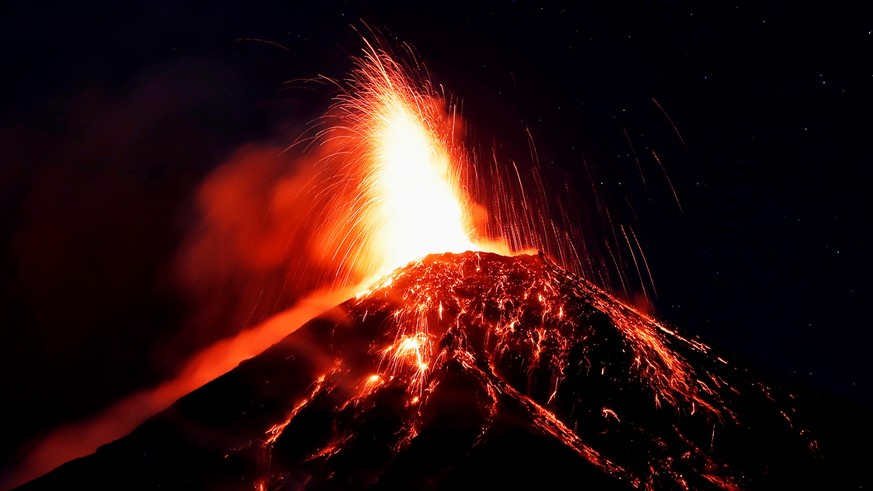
464	370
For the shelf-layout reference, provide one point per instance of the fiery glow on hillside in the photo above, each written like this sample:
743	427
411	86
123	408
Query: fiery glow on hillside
533	343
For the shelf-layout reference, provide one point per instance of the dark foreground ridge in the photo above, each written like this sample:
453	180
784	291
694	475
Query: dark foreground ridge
464	371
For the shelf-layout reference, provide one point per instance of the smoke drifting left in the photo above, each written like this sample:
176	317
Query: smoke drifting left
101	295
248	257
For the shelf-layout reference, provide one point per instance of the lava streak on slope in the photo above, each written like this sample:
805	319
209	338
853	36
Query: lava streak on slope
470	369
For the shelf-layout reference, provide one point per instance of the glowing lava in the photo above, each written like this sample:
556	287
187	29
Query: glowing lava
401	183
412	187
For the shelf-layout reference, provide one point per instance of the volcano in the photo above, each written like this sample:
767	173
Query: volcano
470	370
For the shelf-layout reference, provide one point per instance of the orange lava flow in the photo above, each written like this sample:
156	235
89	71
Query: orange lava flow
80	439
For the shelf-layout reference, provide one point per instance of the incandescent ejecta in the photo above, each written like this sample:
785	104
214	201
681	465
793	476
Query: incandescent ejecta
461	361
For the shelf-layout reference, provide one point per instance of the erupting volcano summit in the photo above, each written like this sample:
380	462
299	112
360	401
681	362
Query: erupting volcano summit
470	370
457	370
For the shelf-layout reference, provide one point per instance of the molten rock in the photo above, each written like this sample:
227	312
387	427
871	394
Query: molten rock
468	370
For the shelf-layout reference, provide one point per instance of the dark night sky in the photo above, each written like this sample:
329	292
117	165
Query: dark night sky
112	115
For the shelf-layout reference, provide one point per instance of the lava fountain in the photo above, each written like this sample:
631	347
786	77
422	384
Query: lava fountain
395	172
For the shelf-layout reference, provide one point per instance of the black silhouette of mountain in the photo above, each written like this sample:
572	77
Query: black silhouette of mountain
472	370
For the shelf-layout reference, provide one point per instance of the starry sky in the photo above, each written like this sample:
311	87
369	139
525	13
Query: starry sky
732	138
